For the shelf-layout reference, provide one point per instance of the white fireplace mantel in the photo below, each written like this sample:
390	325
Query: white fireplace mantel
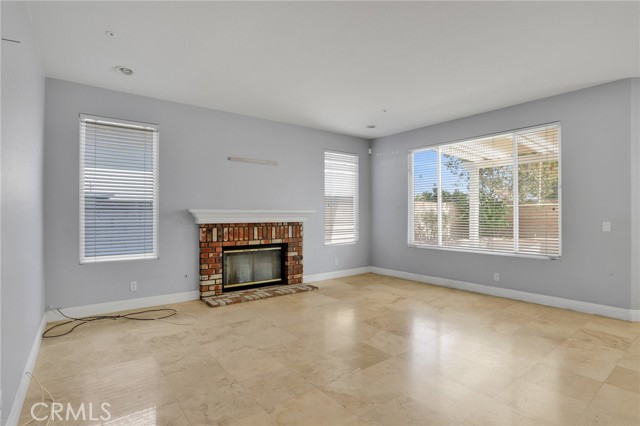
249	216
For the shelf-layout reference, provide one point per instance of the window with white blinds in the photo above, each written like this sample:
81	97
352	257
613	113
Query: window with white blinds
118	190
496	194
340	197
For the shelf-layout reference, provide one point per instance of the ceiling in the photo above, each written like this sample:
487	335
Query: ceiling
342	66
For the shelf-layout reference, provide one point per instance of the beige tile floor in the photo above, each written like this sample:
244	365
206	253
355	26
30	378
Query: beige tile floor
363	350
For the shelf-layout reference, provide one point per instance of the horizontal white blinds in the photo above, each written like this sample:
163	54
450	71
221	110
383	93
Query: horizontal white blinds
340	197
490	194
118	190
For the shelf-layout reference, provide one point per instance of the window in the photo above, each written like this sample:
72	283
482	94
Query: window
118	190
340	198
497	194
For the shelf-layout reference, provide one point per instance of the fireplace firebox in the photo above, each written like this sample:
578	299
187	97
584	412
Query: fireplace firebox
253	266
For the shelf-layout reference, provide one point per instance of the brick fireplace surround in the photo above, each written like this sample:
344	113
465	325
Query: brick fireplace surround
230	228
215	236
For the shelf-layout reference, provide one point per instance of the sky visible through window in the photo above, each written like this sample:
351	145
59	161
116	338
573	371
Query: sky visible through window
425	180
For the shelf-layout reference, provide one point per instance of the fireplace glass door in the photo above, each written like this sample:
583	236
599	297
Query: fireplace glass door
252	266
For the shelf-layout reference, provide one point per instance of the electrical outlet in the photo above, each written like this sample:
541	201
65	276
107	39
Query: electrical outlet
133	286
606	226
496	276
336	261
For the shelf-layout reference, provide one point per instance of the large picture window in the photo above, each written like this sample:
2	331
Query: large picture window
497	194
118	190
340	198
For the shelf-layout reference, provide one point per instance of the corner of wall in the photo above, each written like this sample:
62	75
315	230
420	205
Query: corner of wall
21	207
634	133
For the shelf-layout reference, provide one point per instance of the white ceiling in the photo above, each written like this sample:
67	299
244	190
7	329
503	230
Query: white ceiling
338	65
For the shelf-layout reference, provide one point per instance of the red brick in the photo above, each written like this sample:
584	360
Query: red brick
229	235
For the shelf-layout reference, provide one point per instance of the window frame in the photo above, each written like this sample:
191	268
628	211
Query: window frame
513	132
154	128
356	214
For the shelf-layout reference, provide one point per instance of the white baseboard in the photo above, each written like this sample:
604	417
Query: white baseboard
336	274
21	393
123	305
556	302
540	299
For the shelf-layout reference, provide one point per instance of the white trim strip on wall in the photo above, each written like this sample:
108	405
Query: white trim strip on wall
308	279
635	195
21	393
123	305
540	299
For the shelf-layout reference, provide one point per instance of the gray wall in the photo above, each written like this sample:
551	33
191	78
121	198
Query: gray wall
635	193
22	156
194	173
596	183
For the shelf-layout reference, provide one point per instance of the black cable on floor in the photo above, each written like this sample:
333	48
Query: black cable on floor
86	320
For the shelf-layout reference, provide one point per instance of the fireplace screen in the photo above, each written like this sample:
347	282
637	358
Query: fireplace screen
252	266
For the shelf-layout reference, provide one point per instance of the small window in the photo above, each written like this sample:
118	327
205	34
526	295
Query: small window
340	198
495	194
118	190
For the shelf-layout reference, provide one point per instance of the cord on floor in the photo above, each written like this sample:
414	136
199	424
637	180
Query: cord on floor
163	314
42	404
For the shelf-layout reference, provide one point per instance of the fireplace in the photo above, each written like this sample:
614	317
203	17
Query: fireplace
253	266
226	231
234	239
